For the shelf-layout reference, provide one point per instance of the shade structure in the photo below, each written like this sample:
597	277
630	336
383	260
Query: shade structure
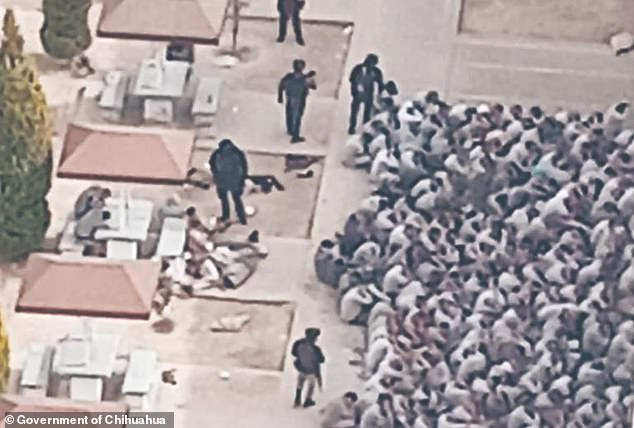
188	21
88	286
113	153
61	407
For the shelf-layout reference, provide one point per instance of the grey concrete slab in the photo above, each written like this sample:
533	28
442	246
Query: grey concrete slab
256	122
330	10
421	69
565	89
599	63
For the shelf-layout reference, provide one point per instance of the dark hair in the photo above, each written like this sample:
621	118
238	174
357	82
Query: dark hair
516	111
299	65
225	144
312	333
610	207
371	60
391	87
384	397
432	97
105	215
190	211
621	107
536	112
327	243
351	395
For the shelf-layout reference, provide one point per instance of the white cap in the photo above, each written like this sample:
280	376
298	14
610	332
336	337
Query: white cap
419	394
415	220
562	385
383	223
613	392
506	367
447	296
561	116
542	400
625	137
480	385
483	109
496	134
569	292
626	326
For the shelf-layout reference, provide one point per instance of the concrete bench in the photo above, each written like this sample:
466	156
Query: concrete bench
122	250
112	98
206	101
172	239
37	370
68	242
89	389
141	380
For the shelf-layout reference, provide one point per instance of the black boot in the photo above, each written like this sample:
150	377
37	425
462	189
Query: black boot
298	398
308	403
254	237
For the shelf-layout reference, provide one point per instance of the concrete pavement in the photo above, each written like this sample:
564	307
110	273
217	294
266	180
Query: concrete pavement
420	49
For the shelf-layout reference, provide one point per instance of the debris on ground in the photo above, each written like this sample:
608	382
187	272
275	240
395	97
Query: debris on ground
231	323
622	43
298	162
306	174
163	326
169	377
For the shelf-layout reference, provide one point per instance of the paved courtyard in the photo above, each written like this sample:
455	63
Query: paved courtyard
261	344
585	20
423	53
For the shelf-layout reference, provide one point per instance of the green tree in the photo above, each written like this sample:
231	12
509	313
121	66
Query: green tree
65	33
12	42
25	153
4	357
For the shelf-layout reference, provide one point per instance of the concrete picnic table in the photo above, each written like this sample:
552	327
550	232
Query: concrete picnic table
87	362
161	79
173	235
135	225
83	357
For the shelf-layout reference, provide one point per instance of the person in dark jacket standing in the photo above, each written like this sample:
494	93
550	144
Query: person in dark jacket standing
308	361
229	168
296	86
290	9
365	79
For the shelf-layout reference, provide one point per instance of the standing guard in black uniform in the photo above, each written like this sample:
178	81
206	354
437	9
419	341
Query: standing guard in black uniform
296	86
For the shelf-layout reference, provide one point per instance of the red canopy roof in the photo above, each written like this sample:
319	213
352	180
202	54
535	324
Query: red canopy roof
115	153
88	286
193	21
21	404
